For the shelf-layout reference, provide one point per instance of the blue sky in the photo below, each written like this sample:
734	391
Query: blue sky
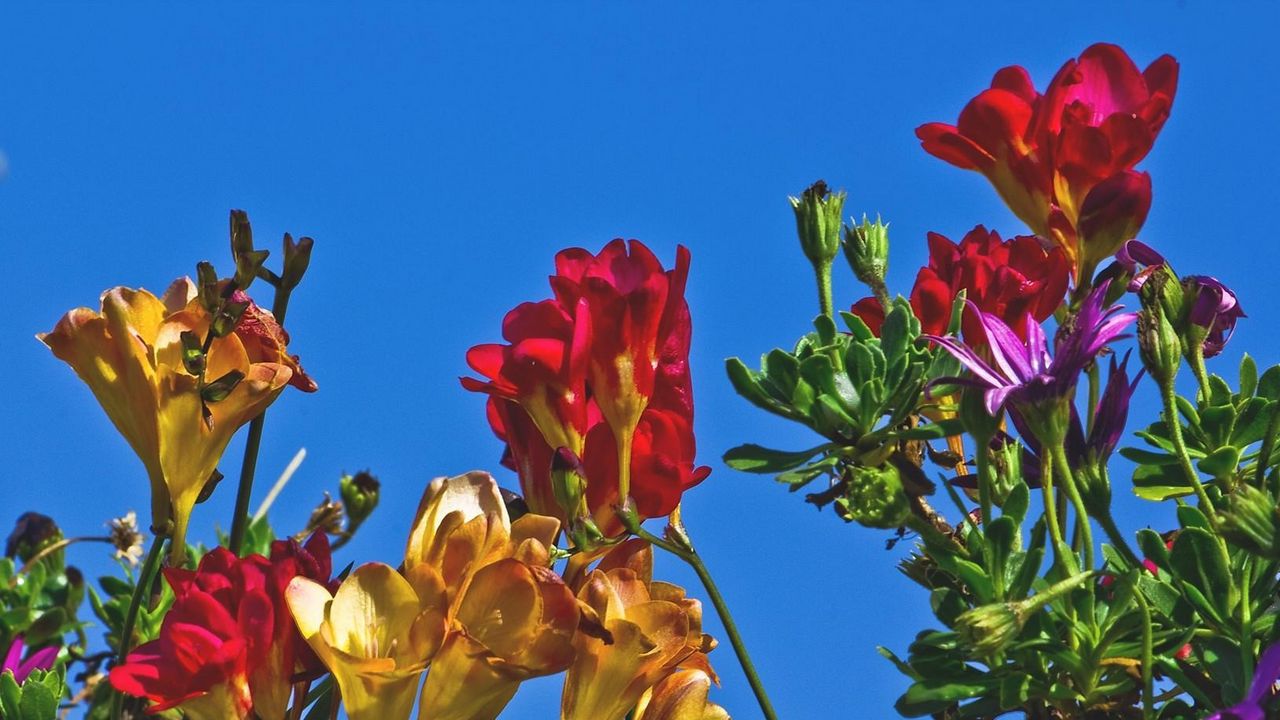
441	156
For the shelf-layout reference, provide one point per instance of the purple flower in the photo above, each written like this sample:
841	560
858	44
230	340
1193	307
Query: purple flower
1024	375
1214	308
1264	680
1112	411
41	659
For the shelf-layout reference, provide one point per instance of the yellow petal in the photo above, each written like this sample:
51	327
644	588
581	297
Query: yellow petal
681	695
472	495
372	611
463	684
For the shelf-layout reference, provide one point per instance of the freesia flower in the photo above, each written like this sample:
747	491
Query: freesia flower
1063	160
131	355
42	659
376	634
601	371
682	695
228	647
1011	279
1254	704
516	621
1024	374
654	630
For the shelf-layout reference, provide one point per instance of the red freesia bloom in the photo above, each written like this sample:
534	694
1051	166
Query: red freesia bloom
1006	278
228	646
601	367
1063	160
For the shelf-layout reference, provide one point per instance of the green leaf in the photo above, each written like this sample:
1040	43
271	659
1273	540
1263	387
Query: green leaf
1015	505
758	459
1196	561
10	696
1189	516
1000	536
800	477
1154	548
1248	376
931	431
1269	383
38	703
930	696
903	668
1160	482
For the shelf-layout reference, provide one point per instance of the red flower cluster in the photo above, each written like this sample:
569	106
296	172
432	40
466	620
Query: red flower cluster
1010	279
228	646
601	370
1063	160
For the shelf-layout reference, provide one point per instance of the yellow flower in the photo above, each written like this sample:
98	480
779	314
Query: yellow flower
131	356
516	621
654	629
462	525
376	634
682	695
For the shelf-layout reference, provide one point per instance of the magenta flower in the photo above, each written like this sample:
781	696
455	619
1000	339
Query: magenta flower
41	659
1215	309
1262	690
1023	374
1112	411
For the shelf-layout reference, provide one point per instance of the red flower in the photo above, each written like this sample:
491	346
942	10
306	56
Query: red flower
228	646
585	370
1047	154
1010	279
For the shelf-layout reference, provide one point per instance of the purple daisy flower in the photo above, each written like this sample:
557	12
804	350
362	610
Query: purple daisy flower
1264	680
1216	308
41	659
1025	375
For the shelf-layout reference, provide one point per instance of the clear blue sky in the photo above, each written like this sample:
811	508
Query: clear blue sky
440	157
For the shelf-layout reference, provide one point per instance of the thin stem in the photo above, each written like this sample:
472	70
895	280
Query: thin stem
691	557
1094	384
822	272
1051	510
51	549
1148	653
625	438
141	589
1169	398
1117	539
1195	359
1246	617
1077	502
253	442
984	499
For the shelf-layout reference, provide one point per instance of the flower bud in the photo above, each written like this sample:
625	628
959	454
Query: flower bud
818	212
1158	344
1212	315
866	247
359	495
1250	520
568	481
32	533
297	256
874	497
987	629
248	261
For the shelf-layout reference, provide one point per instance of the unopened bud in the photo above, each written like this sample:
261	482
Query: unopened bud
326	517
1251	520
228	316
818	219
207	286
988	629
297	256
866	247
568	481
219	389
874	497
193	358
359	494
1158	344
248	261
32	533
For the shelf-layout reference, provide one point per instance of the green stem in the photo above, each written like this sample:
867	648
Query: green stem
143	587
1246	617
1077	502
1117	539
253	442
1268	447
1169	397
1094	383
1195	359
691	557
1148	653
984	499
1051	510
823	274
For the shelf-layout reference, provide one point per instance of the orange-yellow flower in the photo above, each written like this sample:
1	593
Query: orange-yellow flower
462	525
682	695
131	356
654	629
376	634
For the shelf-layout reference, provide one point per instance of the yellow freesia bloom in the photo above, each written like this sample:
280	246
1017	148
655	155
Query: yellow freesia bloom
462	525
130	355
376	634
682	695
516	621
654	629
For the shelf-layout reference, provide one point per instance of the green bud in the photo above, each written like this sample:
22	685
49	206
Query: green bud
988	629
193	358
359	495
818	219
568	482
207	286
227	317
1158	344
1251	521
297	257
866	247
1094	490
219	389
874	497
32	533
1007	463
248	261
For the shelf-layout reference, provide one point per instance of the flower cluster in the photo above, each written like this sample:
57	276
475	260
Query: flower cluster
1063	159
600	374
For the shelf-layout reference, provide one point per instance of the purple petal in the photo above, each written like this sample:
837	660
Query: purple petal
14	656
41	659
969	359
1006	347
